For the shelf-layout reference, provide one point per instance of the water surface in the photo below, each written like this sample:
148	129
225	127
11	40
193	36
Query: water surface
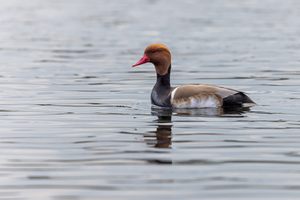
76	119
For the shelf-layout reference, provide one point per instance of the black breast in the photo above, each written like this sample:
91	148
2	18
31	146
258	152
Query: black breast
161	96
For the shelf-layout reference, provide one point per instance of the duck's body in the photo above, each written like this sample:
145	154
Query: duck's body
187	96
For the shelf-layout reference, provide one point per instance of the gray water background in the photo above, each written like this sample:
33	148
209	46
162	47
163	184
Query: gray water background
76	119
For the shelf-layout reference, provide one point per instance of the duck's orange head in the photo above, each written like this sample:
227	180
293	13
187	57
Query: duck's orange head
159	55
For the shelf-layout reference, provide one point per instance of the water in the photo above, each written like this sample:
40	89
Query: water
76	119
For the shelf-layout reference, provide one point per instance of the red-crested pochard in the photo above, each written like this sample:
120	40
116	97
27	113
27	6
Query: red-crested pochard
187	96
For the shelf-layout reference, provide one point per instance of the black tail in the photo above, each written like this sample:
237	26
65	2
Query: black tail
236	100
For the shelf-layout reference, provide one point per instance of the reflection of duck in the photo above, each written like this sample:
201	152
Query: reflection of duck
163	133
187	96
210	111
162	137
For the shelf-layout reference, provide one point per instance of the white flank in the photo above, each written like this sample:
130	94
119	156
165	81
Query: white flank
248	105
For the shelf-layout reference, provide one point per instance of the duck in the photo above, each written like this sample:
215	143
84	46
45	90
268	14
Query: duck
187	96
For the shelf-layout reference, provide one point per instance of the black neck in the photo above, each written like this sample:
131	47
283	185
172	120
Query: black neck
164	80
161	91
